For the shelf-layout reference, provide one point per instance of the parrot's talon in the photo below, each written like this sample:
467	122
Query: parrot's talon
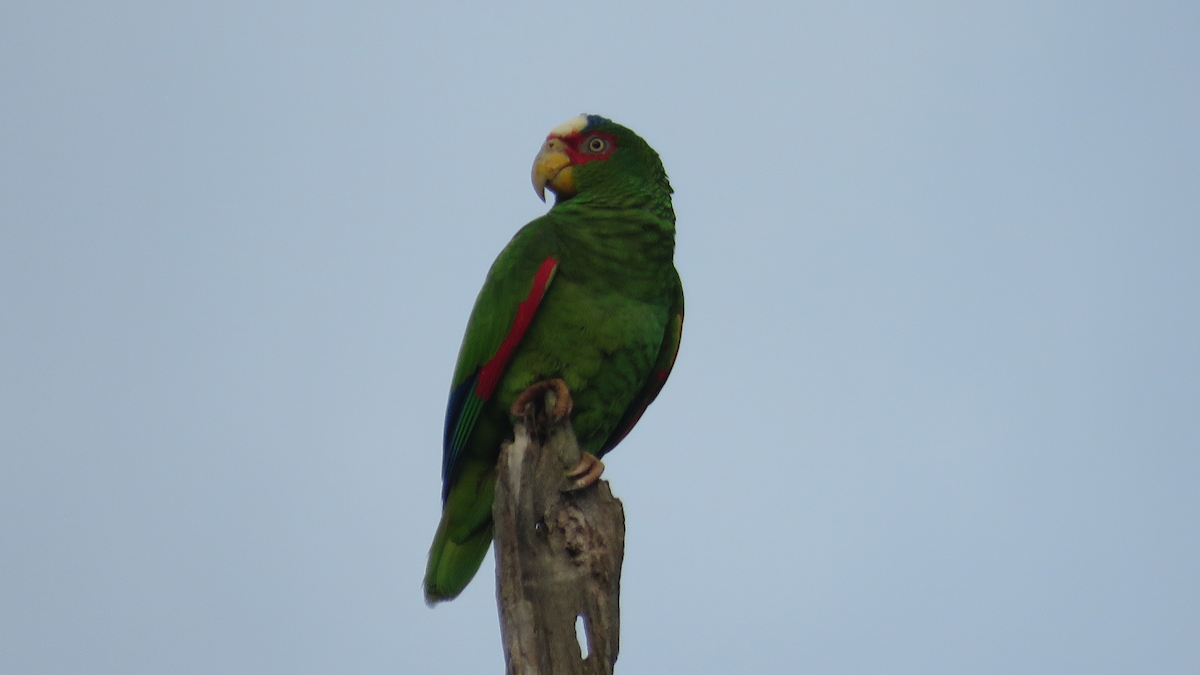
586	472
562	399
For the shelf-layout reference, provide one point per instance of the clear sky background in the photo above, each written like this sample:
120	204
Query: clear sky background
937	408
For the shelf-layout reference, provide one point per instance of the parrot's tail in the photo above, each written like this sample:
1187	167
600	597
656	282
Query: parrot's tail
452	564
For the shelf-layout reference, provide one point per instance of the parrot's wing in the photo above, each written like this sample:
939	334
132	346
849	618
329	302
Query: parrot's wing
658	377
496	327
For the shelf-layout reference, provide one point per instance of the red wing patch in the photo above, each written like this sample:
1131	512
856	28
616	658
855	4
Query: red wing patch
466	400
489	375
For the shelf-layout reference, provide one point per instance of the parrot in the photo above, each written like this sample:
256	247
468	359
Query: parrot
587	295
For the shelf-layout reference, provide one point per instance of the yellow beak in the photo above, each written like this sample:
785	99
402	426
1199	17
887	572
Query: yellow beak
552	167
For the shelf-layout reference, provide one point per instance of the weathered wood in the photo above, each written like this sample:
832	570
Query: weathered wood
558	555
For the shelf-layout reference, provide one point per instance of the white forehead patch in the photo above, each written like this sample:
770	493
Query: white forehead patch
571	126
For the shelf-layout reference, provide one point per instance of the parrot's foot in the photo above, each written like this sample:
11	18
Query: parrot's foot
586	472
562	400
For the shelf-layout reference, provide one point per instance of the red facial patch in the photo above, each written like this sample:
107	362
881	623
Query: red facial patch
577	149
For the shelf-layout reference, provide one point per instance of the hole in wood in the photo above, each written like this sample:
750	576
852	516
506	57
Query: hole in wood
581	635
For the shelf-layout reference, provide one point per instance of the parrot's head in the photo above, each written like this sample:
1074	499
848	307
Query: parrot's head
591	155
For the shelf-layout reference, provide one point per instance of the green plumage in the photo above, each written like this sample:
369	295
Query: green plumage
608	325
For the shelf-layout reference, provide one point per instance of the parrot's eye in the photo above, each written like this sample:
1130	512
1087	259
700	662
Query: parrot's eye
595	145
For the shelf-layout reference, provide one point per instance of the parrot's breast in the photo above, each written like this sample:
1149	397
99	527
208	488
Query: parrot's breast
601	342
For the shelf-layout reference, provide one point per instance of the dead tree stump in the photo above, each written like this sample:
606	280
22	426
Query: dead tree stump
558	554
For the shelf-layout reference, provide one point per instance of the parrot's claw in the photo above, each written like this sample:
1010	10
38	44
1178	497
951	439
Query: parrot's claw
562	399
586	472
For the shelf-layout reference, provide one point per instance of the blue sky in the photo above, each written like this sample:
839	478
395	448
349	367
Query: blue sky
936	409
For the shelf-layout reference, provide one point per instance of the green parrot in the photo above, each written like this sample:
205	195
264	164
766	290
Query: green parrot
587	294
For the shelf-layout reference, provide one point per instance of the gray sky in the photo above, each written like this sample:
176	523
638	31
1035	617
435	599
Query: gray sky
937	408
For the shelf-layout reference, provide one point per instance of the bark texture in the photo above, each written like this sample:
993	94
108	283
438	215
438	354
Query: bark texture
558	554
